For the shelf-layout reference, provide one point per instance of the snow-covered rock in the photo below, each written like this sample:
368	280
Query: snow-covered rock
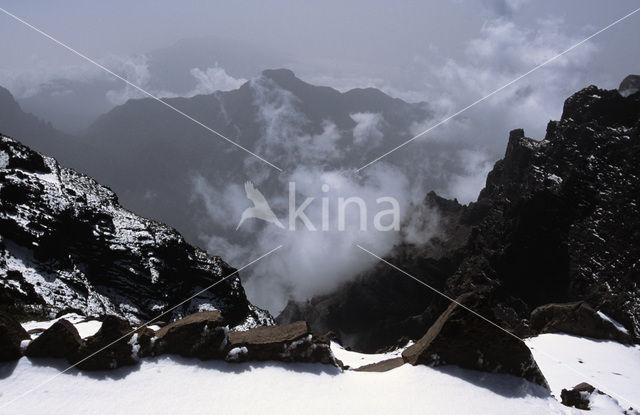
67	245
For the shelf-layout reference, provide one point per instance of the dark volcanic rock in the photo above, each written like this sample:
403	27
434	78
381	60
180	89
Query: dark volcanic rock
59	340
577	397
202	335
111	347
577	318
66	243
463	339
289	343
11	335
562	219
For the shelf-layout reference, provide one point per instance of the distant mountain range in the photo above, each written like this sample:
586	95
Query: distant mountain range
150	155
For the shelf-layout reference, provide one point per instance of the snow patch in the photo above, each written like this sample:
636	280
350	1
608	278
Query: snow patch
4	160
612	321
566	361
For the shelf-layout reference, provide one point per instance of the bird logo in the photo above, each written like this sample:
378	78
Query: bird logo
260	208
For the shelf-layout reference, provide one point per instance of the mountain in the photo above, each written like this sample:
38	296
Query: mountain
36	133
72	99
67	245
151	155
557	221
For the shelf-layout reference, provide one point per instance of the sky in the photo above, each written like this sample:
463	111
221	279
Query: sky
333	39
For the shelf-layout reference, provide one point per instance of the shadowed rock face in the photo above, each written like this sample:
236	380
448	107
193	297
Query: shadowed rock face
11	335
202	335
288	343
558	221
577	318
59	340
66	244
461	338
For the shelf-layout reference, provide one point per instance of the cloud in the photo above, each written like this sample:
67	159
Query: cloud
367	129
213	79
310	262
469	143
134	69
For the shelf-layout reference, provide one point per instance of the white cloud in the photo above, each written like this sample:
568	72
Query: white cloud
367	129
213	79
134	69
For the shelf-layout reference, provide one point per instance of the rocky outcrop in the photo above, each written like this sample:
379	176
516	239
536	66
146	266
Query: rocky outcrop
111	347
60	340
464	339
289	343
202	335
11	335
577	318
578	396
66	244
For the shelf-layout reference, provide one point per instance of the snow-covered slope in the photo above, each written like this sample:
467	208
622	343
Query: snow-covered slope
611	367
66	244
175	385
170	384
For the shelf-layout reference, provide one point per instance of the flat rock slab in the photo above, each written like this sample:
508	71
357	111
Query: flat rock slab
384	366
270	334
202	335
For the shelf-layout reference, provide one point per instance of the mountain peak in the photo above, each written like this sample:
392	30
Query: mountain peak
281	74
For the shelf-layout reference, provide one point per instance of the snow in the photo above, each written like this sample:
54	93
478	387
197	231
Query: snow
555	178
167	385
236	353
85	327
170	384
612	321
355	360
567	360
4	160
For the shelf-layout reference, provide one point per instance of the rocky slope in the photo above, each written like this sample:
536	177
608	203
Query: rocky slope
66	244
558	221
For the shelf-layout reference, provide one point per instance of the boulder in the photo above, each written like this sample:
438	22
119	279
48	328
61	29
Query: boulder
578	397
202	335
458	337
287	343
577	318
142	342
59	340
11	335
109	348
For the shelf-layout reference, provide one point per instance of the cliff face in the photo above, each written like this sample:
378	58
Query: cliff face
561	221
557	221
66	244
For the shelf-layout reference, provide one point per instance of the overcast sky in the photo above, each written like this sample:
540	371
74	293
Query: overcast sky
332	38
